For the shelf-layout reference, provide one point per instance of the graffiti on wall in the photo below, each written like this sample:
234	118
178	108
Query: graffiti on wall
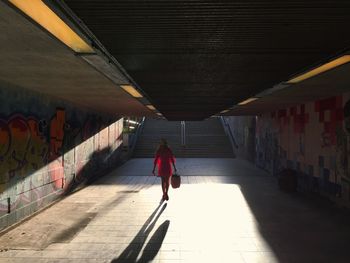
23	148
343	145
267	146
312	138
29	143
43	148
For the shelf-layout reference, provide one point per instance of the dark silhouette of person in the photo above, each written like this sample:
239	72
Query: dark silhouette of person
132	251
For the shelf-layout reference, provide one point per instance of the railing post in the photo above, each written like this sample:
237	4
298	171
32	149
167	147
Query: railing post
183	133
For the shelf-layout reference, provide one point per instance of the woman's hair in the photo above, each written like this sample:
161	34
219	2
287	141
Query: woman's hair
163	144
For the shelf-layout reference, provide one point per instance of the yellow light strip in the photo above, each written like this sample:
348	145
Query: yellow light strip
224	111
131	90
45	17
325	67
151	107
247	101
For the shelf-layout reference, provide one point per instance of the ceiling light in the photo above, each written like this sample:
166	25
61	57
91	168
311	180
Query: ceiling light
325	67
132	122
45	17
131	90
159	114
151	107
247	101
224	111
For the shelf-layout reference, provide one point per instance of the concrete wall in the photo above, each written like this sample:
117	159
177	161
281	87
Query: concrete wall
243	131
47	148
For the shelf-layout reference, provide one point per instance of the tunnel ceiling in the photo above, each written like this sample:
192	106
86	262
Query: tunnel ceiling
197	58
34	60
330	83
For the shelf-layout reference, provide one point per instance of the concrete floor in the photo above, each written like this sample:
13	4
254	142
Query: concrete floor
225	211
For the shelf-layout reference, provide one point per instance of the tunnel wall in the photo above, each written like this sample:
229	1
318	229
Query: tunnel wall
311	138
48	148
243	131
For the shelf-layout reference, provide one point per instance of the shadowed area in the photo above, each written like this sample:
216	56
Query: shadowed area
227	210
197	58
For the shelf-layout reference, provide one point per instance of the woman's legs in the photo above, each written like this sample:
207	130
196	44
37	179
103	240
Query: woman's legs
165	187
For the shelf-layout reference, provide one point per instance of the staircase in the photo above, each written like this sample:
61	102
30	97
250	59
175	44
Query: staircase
204	139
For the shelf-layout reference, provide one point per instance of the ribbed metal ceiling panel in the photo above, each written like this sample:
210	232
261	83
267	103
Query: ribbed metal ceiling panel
196	58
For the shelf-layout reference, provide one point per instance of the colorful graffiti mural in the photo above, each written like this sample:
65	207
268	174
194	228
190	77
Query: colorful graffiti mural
23	147
312	138
35	150
28	143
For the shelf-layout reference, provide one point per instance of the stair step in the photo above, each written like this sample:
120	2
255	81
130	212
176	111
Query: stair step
203	139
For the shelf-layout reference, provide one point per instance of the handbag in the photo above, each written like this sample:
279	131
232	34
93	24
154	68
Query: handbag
175	181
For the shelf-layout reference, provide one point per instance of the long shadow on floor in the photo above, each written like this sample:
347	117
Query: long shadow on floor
153	246
132	251
296	227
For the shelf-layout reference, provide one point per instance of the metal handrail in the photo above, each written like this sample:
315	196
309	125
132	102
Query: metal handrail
228	131
136	135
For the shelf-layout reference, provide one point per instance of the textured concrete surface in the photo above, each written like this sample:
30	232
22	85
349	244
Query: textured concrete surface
33	59
225	211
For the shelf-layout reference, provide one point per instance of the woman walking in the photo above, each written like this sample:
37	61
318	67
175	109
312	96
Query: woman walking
164	159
